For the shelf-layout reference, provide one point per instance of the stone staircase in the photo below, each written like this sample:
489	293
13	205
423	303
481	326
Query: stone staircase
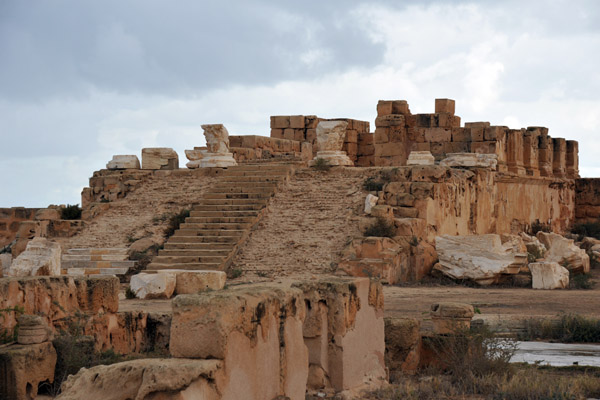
89	261
223	218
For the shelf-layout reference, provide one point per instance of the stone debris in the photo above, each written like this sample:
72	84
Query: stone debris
32	329
41	257
217	152
5	263
533	245
370	202
481	258
549	275
449	318
153	286
24	367
154	378
470	160
124	162
564	252
190	282
420	158
330	140
159	158
377	257
195	156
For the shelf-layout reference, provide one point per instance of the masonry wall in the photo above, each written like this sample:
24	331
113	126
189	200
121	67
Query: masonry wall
587	200
10	221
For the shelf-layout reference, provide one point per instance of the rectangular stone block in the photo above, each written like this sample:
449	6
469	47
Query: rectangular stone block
390	120
381	135
384	107
311	135
495	132
461	135
422	146
457	147
289	134
438	135
311	121
444	120
280	121
297	121
162	158
351	136
299	135
400	107
425	120
445	106
572	159
456	122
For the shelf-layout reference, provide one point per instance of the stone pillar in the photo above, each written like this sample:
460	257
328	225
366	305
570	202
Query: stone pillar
514	151
572	159
495	136
330	140
217	143
531	139
559	161
545	154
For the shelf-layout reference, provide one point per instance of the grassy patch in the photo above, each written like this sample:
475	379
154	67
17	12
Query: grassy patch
570	328
381	228
538	226
587	229
581	281
321	164
70	212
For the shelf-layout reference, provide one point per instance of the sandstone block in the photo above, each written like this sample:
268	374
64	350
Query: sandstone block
402	340
297	121
470	160
387	121
438	135
159	158
153	286
23	368
47	214
450	318
5	262
549	275
461	135
277	133
420	158
191	282
495	132
410	227
41	257
445	106
384	107
280	122
289	134
400	107
124	162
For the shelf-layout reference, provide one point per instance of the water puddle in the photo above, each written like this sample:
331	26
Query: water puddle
558	354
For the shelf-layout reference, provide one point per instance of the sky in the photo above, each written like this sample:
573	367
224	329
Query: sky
83	80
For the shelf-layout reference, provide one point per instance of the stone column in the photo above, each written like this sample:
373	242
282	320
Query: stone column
217	143
559	161
330	140
545	154
514	151
531	139
572	159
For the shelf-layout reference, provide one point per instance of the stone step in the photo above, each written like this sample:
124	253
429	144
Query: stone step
241	186
204	239
194	252
185	259
98	251
219	220
90	257
199	246
97	271
236	196
208	232
240	202
252	178
227	208
279	173
189	266
98	264
227	214
205	228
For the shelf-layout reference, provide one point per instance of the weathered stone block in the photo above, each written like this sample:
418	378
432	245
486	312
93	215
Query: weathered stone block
445	106
190	282
23	368
297	121
153	286
548	275
384	107
438	135
280	122
41	257
159	158
124	162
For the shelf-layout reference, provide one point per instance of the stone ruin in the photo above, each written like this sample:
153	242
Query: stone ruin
459	200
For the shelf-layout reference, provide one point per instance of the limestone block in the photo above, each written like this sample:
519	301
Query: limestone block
47	214
564	252
124	162
420	158
280	122
153	286
190	282
402	339
159	158
194	155
370	202
376	257
23	368
344	332
144	379
449	318
470	160
41	257
445	106
384	107
549	275
400	107
217	142
256	330
32	329
481	258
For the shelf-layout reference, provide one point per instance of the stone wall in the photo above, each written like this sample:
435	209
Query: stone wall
526	151
251	147
358	143
10	221
587	200
110	185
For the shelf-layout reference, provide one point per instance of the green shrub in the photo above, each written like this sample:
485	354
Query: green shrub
321	164
70	212
129	294
589	229
571	328
235	273
538	226
381	228
175	221
372	185
581	281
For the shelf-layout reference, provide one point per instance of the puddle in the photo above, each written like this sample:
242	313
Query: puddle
558	354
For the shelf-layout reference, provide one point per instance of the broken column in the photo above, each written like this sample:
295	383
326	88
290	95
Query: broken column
559	160
572	159
546	153
41	257
514	151
217	143
330	140
159	158
531	143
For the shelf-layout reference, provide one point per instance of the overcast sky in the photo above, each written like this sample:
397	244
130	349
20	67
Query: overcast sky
83	80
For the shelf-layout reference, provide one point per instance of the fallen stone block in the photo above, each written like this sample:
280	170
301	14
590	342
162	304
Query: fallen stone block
548	275
153	286
564	252
420	158
41	257
159	158
470	160
124	162
23	368
450	318
370	202
190	282
146	379
481	258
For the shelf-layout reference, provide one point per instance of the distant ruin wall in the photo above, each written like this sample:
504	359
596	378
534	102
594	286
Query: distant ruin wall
587	200
10	221
434	200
